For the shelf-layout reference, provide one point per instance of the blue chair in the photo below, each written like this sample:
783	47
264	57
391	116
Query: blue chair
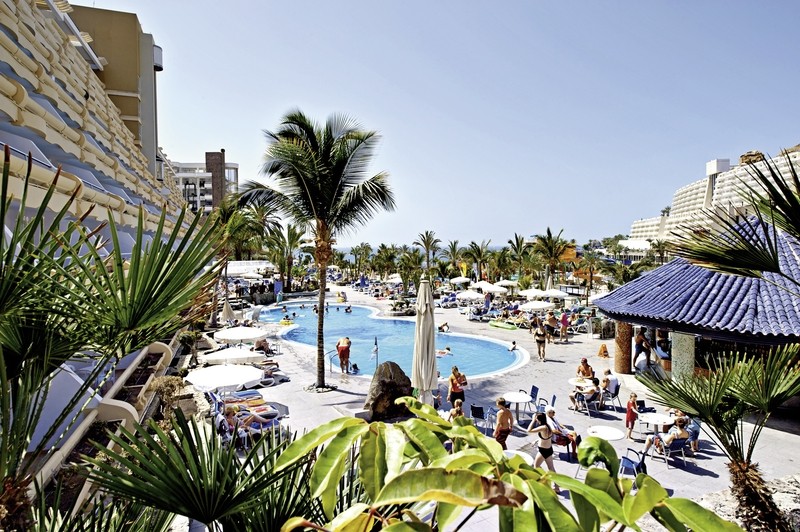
477	413
631	463
534	395
677	446
543	404
593	399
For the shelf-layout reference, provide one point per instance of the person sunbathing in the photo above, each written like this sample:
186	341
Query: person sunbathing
241	420
444	327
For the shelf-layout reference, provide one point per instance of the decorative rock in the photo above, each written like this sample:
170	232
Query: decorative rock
388	383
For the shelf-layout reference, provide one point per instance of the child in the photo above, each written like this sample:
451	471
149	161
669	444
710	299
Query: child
457	410
631	415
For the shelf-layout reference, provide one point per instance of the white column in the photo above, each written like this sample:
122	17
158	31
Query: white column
682	354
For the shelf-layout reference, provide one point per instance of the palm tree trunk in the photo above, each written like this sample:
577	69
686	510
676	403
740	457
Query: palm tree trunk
622	351
323	282
756	507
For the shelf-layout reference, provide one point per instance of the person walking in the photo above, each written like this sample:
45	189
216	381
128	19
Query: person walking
545	454
540	336
457	381
505	422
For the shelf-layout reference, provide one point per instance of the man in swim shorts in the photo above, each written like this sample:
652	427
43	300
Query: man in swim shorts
343	348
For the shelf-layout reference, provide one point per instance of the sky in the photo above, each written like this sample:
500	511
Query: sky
495	118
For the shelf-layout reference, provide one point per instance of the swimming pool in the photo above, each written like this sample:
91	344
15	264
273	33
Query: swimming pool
474	356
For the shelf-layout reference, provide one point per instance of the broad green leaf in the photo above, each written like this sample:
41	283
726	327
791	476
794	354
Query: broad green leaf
396	445
296	522
664	515
697	517
352	518
461	459
588	514
522	518
455	487
372	460
649	495
423	411
330	466
600	479
407	526
316	437
558	517
594	449
424	439
445	514
602	500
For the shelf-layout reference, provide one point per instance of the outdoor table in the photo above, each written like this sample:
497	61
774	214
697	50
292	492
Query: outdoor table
605	432
528	459
580	381
656	419
517	397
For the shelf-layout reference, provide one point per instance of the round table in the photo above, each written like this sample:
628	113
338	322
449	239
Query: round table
580	382
517	397
605	432
656	419
528	459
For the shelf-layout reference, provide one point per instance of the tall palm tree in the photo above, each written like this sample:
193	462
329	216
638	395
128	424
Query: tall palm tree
385	259
322	182
282	245
624	273
478	254
660	248
453	254
591	261
519	249
410	267
499	263
552	249
430	244
361	254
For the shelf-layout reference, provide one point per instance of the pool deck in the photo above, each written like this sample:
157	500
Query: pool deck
704	473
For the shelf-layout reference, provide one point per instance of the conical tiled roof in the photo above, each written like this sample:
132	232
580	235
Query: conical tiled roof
692	299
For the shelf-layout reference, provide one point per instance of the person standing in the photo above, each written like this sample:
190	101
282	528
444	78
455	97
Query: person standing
564	327
545	454
540	336
505	422
343	348
631	415
457	381
550	326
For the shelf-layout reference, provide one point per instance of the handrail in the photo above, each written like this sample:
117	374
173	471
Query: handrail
330	359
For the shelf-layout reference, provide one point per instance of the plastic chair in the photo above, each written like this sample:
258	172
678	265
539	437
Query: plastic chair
677	446
543	404
593	399
534	395
477	413
609	397
631	463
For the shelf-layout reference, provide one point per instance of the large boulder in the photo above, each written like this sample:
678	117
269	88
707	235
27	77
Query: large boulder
388	383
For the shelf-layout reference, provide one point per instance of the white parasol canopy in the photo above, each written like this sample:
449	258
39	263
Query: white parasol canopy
486	286
536	305
240	334
555	293
225	378
459	280
423	369
506	283
469	295
252	275
232	355
530	293
227	312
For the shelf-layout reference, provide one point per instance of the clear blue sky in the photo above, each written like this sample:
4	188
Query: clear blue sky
495	117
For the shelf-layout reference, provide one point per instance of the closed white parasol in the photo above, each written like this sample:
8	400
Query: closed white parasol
423	369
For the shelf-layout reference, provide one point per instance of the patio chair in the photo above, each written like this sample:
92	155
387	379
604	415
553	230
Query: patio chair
543	404
588	402
609	397
534	395
678	445
477	413
632	461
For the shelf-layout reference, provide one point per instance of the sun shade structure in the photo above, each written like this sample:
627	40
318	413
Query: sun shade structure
240	334
233	355
225	378
423	370
694	300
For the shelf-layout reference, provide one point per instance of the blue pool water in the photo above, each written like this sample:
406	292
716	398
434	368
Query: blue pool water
473	356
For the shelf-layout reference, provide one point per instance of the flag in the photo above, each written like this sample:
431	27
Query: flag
374	350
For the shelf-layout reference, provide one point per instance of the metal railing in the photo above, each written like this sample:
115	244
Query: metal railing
330	359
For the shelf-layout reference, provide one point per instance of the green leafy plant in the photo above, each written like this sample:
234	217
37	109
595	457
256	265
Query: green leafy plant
412	482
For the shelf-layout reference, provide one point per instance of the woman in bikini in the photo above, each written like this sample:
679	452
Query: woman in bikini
540	335
545	454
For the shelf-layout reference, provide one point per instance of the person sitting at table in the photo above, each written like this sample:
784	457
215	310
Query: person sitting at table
588	392
605	386
561	436
661	440
584	369
542	428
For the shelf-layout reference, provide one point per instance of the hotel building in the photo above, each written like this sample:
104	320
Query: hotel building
78	91
203	185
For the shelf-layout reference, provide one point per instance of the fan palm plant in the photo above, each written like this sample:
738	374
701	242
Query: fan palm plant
430	245
592	262
59	295
552	249
321	182
453	253
520	249
478	254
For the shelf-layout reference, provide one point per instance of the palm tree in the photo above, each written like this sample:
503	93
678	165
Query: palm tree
624	273
57	299
552	249
499	263
361	254
453	254
410	267
430	244
385	259
519	250
478	254
321	182
666	210
591	261
660	248
282	246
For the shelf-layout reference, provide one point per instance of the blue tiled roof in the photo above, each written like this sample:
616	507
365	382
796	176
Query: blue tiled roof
684	297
